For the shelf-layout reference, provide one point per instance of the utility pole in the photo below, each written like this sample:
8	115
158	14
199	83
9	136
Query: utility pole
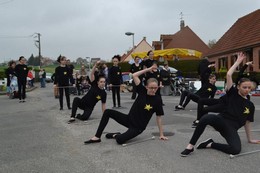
38	45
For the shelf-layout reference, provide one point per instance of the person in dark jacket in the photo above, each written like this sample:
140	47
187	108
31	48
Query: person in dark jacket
21	71
62	79
10	73
115	80
136	66
204	70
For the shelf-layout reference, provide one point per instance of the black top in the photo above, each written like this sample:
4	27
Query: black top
62	76
93	96
44	75
203	69
115	75
134	68
144	107
238	108
79	80
165	77
148	63
9	73
207	90
21	71
154	74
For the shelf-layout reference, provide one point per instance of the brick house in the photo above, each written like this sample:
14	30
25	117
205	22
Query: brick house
143	46
243	35
184	38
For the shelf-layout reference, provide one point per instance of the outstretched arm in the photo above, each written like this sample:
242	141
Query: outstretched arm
248	133
139	73
159	124
240	57
92	74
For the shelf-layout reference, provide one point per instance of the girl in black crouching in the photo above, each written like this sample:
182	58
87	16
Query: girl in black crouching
88	102
62	79
239	112
146	104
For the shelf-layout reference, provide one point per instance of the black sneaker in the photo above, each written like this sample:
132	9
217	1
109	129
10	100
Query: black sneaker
195	123
111	135
179	107
71	120
204	143
92	141
186	152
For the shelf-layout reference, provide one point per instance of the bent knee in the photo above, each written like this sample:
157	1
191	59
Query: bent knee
235	150
120	141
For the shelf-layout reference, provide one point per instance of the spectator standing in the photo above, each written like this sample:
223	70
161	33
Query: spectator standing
166	80
10	73
21	71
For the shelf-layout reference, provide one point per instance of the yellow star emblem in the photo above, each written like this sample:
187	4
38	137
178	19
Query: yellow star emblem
246	111
148	107
209	89
98	97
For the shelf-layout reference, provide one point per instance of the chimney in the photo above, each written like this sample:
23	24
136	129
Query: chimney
182	25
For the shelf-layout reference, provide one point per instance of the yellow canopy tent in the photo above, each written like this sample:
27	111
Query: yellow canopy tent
169	54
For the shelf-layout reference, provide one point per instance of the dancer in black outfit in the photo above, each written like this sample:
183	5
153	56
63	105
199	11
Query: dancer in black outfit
62	79
146	104
204	70
21	70
115	80
218	105
136	66
239	112
207	90
87	103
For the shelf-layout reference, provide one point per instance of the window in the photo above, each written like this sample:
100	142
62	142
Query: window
222	62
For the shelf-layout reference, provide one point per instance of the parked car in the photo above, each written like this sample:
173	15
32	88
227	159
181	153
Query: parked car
48	77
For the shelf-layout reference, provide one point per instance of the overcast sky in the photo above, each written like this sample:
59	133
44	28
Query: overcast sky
96	28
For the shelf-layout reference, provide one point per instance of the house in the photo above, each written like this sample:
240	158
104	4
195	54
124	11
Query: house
143	46
243	35
184	38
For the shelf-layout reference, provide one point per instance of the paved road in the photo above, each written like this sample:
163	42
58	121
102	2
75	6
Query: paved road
35	137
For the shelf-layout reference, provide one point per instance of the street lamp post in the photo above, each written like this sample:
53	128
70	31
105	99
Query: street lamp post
133	34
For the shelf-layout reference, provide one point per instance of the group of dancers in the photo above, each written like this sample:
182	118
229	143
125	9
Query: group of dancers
234	108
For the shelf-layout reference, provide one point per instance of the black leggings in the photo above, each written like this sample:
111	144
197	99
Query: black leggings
121	119
116	91
187	96
66	94
213	105
21	88
78	104
227	129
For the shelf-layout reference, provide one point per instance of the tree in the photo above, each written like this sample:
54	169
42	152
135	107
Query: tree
211	43
31	60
